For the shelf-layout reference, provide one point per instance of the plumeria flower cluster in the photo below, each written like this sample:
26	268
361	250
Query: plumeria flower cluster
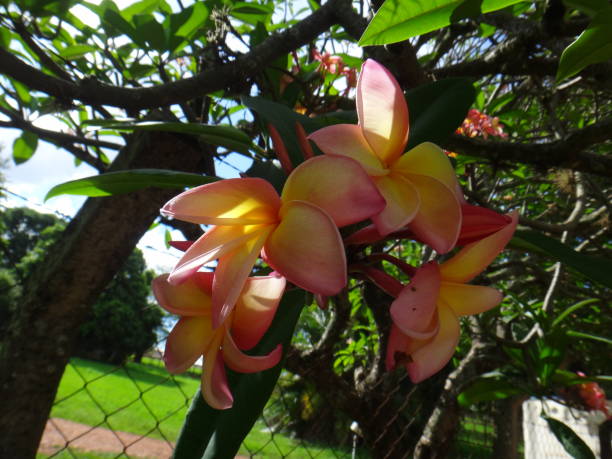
363	180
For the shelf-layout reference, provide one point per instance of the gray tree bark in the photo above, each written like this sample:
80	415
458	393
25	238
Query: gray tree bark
439	433
57	296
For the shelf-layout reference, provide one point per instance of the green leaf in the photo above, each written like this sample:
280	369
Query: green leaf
209	433
594	45
76	51
572	443
5	38
196	19
114	24
226	136
141	7
596	269
589	7
398	20
149	32
573	308
283	119
22	91
24	147
121	182
487	388
437	109
601	339
251	13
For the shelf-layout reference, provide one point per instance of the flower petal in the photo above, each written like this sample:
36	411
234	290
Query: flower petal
214	243
402	203
476	256
431	358
232	272
243	363
239	201
396	348
479	222
382	111
438	220
336	184
414	310
215	389
307	249
429	159
191	298
255	309
187	341
348	140
465	299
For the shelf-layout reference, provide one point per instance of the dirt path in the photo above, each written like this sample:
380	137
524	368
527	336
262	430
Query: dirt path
82	437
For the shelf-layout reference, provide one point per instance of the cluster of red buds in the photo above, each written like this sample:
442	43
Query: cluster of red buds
335	66
479	124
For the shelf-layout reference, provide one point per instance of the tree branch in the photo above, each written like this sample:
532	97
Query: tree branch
93	92
567	153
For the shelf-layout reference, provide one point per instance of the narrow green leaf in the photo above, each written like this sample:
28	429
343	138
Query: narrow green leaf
398	20
485	389
592	46
601	339
76	51
209	433
122	182
24	147
596	269
572	443
437	109
227	132
573	308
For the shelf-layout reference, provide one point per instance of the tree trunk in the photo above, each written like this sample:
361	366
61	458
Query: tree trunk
57	296
439	433
508	428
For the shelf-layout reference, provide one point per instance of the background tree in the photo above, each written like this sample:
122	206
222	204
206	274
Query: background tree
121	323
188	68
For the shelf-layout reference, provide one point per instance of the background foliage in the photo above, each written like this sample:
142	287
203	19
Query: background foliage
189	86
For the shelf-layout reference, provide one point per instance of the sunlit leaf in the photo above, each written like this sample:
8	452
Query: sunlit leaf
24	147
594	45
76	51
121	182
398	20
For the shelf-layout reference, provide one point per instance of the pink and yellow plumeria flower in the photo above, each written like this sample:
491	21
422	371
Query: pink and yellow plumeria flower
420	186
425	328
297	231
194	336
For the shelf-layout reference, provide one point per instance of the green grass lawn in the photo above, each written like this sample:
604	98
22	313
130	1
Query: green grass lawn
145	400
